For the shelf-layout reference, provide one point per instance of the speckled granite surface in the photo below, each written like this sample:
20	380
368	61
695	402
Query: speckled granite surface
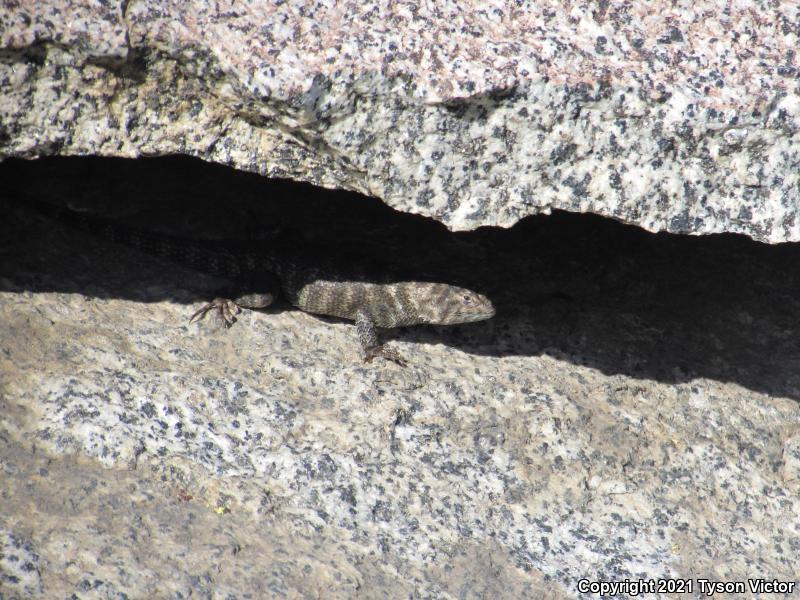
678	116
630	412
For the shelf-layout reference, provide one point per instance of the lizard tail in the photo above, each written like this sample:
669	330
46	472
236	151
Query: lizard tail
196	254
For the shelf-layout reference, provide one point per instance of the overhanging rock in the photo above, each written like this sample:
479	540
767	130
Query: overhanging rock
684	118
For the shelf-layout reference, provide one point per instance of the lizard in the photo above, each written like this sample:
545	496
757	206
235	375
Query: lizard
309	279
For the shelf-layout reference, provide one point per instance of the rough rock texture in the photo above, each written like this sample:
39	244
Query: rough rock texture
679	116
631	412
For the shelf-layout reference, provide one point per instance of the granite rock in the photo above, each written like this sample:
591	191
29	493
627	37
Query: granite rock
675	116
620	418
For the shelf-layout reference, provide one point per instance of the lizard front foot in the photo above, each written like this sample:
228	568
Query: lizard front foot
226	309
384	352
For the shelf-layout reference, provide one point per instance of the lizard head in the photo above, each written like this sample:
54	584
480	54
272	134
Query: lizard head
442	304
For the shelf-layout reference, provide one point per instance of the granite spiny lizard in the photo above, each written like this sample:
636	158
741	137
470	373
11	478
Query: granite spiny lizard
310	280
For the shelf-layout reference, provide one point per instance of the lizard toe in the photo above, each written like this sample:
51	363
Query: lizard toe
385	353
226	311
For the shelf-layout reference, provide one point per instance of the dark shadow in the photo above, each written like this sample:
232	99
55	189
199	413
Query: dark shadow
580	288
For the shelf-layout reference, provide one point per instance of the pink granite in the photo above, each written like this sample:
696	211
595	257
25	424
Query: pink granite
682	117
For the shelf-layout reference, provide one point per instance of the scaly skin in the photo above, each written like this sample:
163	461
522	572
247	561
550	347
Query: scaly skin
372	305
311	281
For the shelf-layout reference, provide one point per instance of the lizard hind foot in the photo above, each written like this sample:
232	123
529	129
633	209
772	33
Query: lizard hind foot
225	309
386	353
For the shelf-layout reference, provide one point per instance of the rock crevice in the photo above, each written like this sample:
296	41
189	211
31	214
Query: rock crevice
674	120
